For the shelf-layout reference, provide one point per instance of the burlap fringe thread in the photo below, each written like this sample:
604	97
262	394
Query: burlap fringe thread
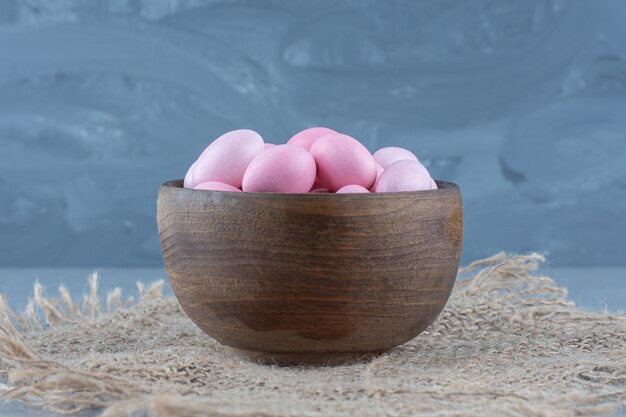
505	281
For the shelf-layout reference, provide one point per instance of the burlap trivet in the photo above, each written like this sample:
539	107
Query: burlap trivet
508	343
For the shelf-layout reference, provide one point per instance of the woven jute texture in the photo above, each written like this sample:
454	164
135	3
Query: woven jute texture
509	343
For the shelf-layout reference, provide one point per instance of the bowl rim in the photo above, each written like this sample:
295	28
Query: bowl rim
443	188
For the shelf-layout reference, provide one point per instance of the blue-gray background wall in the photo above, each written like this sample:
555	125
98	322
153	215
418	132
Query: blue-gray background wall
523	103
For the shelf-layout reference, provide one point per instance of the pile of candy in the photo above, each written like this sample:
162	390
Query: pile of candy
315	160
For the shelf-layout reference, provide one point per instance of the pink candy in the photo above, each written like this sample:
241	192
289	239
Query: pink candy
315	160
387	156
342	160
352	189
379	171
306	137
280	169
216	186
403	175
188	181
226	159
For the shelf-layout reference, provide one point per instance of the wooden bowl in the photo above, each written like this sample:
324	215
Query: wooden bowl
311	278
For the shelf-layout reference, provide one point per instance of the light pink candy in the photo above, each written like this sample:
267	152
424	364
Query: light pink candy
226	159
216	186
403	175
280	169
379	171
188	181
306	137
342	160
391	154
433	184
352	189
268	145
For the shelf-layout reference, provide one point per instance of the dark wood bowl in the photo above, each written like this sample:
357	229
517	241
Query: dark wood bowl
311	278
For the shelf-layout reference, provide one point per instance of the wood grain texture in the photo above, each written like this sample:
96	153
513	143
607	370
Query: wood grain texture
311	278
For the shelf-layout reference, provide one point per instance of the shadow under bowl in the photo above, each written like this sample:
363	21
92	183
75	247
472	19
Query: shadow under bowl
311	278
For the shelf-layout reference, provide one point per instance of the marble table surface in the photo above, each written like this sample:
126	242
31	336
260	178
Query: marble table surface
590	288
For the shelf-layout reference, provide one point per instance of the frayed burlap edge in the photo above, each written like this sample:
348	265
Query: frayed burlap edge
51	385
